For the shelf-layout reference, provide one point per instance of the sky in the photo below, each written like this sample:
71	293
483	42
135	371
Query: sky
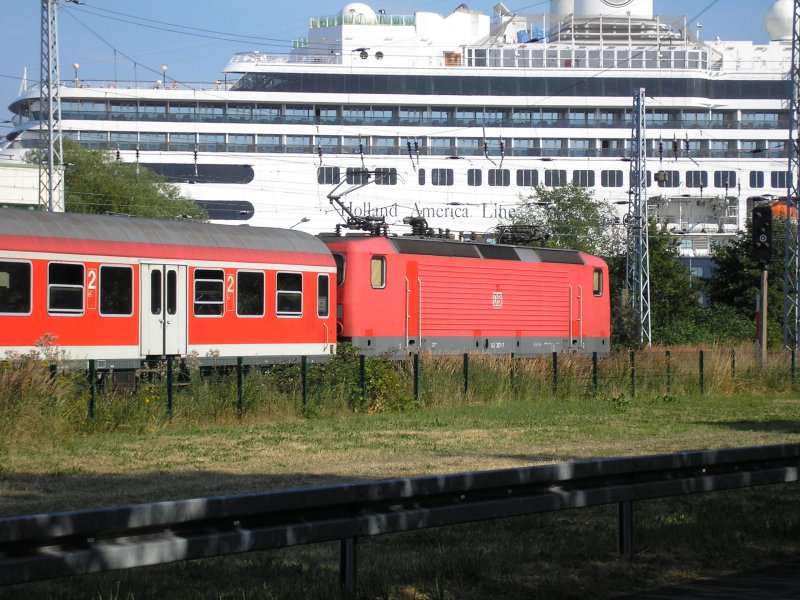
104	40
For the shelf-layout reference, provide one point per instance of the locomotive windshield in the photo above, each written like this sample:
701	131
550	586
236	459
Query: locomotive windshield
340	264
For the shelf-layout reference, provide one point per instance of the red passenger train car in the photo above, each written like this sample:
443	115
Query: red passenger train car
125	290
405	295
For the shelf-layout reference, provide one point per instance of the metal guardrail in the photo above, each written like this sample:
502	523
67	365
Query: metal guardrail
37	547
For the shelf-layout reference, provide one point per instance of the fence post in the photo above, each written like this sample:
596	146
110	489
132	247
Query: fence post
594	370
416	377
362	378
512	373
633	373
669	372
794	364
626	528
170	381
466	373
239	385
702	373
92	387
733	364
347	566
555	373
304	380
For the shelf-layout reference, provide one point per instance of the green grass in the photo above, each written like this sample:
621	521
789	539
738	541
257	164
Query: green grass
53	458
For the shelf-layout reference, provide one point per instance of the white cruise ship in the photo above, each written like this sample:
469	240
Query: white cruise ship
455	118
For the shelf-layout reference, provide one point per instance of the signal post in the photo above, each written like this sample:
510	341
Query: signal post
761	251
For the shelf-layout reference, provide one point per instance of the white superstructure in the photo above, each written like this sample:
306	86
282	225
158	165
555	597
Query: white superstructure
458	117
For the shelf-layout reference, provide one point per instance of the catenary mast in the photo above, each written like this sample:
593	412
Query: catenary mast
791	275
638	255
51	153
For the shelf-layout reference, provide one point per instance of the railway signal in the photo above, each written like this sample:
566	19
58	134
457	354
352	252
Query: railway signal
761	248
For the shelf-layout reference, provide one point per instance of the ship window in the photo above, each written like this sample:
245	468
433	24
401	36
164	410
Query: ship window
357	176
527	177
301	144
611	178
671	179
649	178
756	179
211	142
555	177
239	112
289	294
725	179
583	177
696	179
328	175
208	292
474	177
355	145
597	282
499	177
64	289
441	176
377	272
299	114
249	293
779	179
384	176
323	296
15	287
116	291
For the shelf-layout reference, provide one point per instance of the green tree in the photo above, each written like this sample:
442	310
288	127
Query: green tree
571	217
94	182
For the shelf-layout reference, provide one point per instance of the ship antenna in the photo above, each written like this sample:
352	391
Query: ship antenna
486	148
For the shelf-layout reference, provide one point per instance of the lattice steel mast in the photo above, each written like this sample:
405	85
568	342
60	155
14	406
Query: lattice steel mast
791	274
638	256
51	155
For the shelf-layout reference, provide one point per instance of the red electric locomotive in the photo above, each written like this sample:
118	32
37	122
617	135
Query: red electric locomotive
409	294
128	289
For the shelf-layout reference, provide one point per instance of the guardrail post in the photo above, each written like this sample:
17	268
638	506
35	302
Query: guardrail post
416	377
347	566
239	385
466	373
555	373
626	528
170	379
702	373
304	380
633	373
92	387
594	370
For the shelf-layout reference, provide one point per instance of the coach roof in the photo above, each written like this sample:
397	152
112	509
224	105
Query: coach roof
120	229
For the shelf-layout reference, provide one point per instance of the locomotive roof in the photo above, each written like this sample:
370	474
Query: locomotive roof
457	248
77	226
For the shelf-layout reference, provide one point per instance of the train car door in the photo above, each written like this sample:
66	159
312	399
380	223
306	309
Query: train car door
163	309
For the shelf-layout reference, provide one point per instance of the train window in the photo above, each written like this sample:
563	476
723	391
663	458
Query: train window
250	294
172	292
597	282
340	267
323	296
289	300
116	291
15	287
65	289
377	271
155	292
209	300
